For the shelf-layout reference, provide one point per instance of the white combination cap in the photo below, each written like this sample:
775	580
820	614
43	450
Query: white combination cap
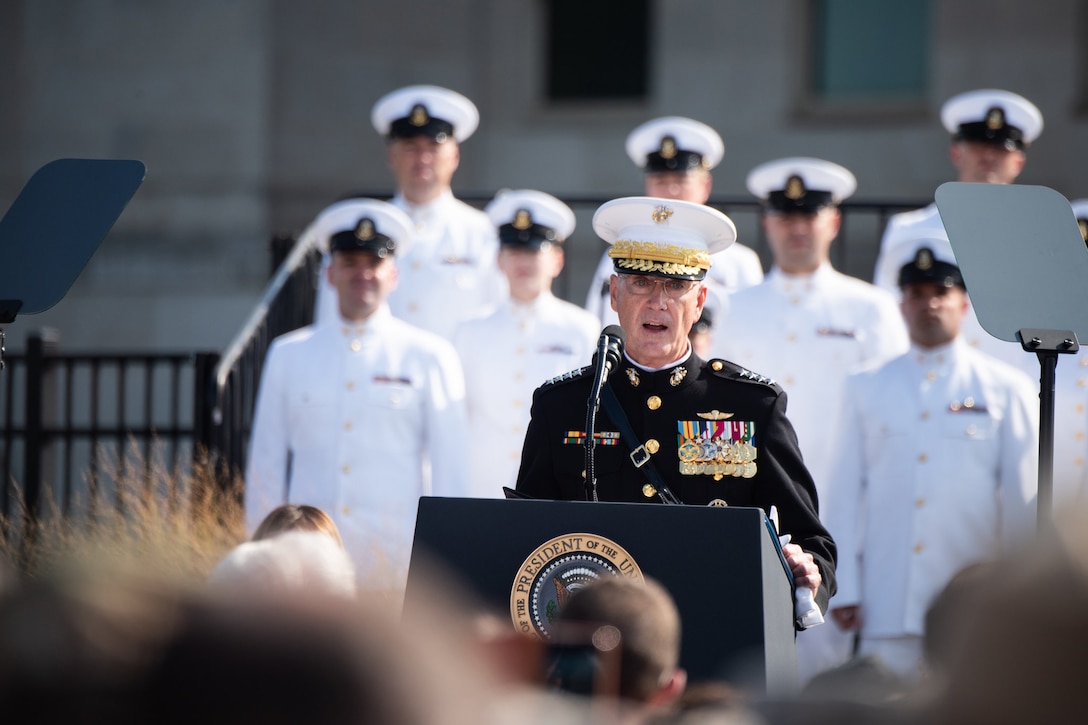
992	116
367	225
801	184
530	219
662	237
425	111
674	143
928	259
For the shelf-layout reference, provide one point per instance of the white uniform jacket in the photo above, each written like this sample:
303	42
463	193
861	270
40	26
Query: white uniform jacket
446	275
506	356
734	268
360	421
936	469
808	333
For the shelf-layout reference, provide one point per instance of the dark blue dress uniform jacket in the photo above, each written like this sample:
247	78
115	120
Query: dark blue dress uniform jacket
552	462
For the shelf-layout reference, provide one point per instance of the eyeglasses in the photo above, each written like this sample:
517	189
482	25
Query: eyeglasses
643	286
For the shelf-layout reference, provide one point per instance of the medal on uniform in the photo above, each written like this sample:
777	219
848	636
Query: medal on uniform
717	448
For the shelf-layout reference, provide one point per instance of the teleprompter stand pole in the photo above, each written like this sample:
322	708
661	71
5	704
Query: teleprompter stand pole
1047	345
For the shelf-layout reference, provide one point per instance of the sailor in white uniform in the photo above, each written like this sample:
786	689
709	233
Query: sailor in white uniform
677	155
936	469
808	326
448	274
361	417
1071	408
991	132
533	336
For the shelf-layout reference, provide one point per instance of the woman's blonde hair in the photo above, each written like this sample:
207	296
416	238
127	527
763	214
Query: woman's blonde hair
293	517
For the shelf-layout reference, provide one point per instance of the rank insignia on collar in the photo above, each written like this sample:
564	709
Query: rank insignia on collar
678	376
632	377
715	415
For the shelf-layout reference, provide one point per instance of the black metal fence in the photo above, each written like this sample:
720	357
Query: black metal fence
76	424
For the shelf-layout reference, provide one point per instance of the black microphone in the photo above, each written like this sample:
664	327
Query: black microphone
605	360
610	350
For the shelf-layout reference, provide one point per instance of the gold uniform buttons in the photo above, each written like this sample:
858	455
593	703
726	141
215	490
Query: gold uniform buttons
922	458
347	426
648	490
918	548
345	469
1079	435
653	402
652	446
925	415
345	510
919	502
971	430
351	385
931	376
355	346
716	366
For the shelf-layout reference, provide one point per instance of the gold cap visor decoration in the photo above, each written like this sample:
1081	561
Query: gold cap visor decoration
662	237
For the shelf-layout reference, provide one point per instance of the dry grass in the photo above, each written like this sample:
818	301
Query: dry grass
169	527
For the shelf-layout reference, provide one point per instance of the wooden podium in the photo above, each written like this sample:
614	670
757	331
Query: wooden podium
722	566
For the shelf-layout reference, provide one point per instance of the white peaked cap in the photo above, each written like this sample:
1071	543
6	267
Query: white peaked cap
662	236
439	103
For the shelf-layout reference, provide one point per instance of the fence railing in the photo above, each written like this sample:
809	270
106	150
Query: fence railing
287	304
77	425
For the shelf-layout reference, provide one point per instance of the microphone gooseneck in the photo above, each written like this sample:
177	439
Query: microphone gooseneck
605	360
